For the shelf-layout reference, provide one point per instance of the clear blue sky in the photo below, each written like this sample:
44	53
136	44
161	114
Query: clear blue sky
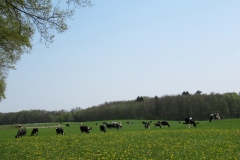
118	50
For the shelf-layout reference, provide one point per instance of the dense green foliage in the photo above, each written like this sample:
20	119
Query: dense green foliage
215	140
175	107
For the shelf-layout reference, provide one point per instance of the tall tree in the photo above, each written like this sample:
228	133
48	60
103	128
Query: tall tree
21	19
2	88
198	92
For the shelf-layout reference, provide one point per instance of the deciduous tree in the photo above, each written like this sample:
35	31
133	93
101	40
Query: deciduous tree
21	19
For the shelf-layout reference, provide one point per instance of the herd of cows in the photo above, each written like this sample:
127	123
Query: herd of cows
115	125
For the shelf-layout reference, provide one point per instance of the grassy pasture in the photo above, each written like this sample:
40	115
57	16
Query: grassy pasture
215	140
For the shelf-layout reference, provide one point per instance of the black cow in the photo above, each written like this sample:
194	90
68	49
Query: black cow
109	126
21	132
164	123
85	129
59	130
214	116
103	128
34	131
189	122
158	125
67	125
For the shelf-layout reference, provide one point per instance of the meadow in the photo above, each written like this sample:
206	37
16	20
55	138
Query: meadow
215	140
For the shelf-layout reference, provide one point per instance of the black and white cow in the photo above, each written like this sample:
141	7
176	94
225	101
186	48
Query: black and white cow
21	132
85	129
117	125
189	122
59	130
214	116
103	128
114	125
34	131
129	122
164	123
147	124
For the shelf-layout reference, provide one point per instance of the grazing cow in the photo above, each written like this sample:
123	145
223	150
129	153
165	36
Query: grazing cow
67	125
109	126
164	123
214	116
21	132
189	122
114	125
117	125
59	130
157	125
103	128
34	131
85	129
147	124
129	122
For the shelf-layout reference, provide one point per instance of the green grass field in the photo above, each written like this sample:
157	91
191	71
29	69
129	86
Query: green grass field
215	140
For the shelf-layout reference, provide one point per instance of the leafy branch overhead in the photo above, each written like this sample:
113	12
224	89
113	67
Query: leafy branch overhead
41	15
21	19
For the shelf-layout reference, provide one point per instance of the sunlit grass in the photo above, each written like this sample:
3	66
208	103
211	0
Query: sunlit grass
166	143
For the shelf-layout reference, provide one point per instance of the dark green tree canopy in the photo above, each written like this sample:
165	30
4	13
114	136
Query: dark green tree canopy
167	107
21	19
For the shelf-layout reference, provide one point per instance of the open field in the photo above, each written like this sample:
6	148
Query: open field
215	140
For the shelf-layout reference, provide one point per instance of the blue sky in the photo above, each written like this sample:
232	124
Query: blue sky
118	50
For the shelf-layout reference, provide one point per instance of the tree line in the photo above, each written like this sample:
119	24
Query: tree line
168	107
